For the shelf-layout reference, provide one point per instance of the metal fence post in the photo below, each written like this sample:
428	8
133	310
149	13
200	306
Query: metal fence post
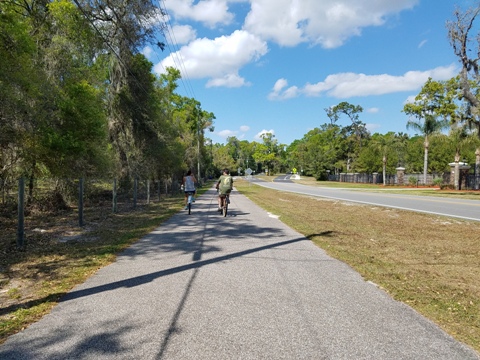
80	202
148	192
21	213
114	196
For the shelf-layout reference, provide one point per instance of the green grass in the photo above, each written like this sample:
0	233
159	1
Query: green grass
14	293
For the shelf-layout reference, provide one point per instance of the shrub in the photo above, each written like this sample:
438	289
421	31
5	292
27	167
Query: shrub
438	182
412	180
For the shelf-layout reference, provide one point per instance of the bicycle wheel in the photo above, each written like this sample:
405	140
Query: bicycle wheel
225	208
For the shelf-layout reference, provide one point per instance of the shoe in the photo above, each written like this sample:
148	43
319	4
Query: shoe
193	199
219	209
186	208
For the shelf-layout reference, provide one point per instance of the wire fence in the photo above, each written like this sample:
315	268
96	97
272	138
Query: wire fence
93	189
466	181
22	197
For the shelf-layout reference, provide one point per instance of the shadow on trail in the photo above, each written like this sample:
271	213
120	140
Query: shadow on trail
143	279
97	345
323	233
172	329
195	233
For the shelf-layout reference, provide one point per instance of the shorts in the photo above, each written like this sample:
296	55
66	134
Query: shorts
224	192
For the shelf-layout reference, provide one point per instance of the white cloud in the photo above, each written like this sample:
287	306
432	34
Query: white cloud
328	22
259	135
277	93
219	59
208	12
373	110
228	133
279	85
229	80
183	34
147	51
346	85
422	43
287	22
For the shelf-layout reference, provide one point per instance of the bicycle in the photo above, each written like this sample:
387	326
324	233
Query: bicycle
190	201
224	200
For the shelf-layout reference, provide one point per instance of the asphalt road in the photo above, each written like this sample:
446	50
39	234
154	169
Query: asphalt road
450	207
242	287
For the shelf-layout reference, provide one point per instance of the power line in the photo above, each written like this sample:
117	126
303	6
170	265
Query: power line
167	32
111	47
175	54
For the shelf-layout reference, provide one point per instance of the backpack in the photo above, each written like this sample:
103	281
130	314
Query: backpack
226	182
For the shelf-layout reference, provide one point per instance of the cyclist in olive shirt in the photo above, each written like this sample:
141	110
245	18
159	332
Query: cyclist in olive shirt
224	187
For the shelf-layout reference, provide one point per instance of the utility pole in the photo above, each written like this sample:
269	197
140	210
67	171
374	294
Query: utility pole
198	148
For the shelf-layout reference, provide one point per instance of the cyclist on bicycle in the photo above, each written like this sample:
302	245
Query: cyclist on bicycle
224	186
189	186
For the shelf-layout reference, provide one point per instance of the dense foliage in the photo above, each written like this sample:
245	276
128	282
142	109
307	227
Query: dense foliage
77	99
327	149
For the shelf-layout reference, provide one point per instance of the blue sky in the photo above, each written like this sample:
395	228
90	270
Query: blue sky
275	65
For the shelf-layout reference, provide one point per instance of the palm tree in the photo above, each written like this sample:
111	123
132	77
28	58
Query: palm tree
384	143
428	126
433	102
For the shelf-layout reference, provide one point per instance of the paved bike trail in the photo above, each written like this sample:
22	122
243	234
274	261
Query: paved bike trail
202	286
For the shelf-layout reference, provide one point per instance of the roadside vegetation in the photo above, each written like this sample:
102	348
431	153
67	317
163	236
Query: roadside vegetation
59	255
428	262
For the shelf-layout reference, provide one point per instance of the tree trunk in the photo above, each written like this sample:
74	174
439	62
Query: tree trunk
425	163
384	170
